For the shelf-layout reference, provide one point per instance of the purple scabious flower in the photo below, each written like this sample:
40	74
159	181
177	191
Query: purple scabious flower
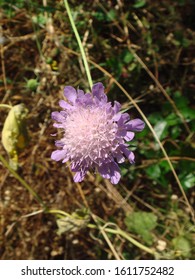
94	133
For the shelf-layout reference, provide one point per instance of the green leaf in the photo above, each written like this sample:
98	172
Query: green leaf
142	223
111	15
182	246
14	133
127	57
139	4
153	171
73	223
160	129
175	132
155	117
39	19
99	15
188	181
164	166
172	119
32	84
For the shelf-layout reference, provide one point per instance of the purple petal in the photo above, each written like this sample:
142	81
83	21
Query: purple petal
87	99
98	91
125	117
135	125
58	125
129	154
104	171
121	132
76	166
79	176
80	93
121	123
116	107
65	105
129	136
70	93
58	155
119	157
57	116
63	113
65	159
110	171
117	117
115	173
59	143
108	107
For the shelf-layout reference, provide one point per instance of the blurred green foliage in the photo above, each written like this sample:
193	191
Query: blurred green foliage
142	223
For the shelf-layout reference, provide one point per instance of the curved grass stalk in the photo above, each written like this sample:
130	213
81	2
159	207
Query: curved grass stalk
79	43
126	236
5	106
104	233
23	182
58	212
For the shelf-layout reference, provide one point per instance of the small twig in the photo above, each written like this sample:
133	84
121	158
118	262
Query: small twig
4	73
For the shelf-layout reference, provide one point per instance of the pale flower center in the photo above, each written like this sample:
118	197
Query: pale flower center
89	133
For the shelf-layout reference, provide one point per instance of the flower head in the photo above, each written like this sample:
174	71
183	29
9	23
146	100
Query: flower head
94	133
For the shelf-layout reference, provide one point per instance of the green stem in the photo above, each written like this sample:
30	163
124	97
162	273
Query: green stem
79	43
135	242
58	212
6	106
106	229
127	237
23	182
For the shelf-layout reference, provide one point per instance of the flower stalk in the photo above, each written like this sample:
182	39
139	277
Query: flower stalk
79	43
